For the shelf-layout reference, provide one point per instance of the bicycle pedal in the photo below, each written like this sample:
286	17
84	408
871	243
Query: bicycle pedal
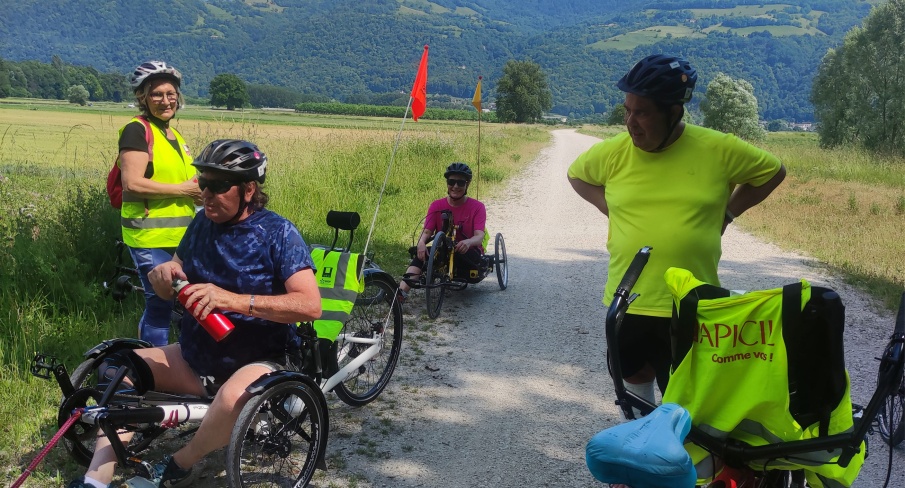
42	365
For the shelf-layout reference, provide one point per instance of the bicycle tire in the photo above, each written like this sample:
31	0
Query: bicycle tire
890	417
375	310
436	274
500	262
80	439
279	438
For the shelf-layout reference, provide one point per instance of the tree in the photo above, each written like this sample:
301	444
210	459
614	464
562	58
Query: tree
729	105
229	91
777	125
857	93
616	116
77	94
522	92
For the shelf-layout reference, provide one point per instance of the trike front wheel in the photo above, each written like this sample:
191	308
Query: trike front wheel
436	276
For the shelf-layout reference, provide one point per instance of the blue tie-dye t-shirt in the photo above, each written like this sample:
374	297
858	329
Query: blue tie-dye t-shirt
254	256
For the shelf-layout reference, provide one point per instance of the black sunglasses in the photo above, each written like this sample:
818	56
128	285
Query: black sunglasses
216	187
454	182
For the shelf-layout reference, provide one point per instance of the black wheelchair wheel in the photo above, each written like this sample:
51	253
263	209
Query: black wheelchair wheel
889	418
375	314
81	437
436	273
279	438
500	262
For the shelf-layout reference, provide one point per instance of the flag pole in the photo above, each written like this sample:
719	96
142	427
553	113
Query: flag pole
419	94
386	178
476	101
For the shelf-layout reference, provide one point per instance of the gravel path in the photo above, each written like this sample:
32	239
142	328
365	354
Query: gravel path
506	387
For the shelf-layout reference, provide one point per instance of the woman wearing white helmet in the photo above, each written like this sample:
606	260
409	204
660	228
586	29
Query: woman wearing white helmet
158	183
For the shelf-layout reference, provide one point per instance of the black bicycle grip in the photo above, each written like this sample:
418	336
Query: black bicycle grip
634	269
900	318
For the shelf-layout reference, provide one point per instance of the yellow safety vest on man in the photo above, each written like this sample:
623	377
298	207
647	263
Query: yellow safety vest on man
338	281
734	381
159	222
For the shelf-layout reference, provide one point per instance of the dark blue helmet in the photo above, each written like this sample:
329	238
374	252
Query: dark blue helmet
664	79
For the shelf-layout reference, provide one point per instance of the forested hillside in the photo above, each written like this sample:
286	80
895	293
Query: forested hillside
345	48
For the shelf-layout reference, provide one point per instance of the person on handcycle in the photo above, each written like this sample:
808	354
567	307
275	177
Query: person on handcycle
245	261
674	187
469	216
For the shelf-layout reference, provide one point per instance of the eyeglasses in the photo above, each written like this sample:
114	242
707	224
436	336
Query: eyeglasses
158	96
217	187
454	182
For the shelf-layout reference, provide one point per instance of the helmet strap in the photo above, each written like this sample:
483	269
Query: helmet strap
242	206
671	128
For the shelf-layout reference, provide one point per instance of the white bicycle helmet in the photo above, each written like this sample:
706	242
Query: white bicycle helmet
154	69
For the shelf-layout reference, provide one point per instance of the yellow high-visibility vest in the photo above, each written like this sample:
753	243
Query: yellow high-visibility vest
734	381
338	281
159	222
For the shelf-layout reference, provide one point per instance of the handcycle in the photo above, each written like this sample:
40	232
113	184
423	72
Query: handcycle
444	270
883	411
280	437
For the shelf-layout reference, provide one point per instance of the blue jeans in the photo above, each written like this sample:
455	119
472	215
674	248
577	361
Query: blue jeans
154	325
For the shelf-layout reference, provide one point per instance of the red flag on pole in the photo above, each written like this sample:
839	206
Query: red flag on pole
419	89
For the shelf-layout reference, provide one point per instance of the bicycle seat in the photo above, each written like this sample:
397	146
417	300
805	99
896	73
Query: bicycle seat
645	452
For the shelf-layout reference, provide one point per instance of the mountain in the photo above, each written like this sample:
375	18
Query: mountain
343	48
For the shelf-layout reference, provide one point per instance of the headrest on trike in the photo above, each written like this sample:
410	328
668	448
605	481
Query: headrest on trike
343	220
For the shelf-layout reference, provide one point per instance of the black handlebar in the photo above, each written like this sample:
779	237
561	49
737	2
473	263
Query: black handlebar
621	300
634	270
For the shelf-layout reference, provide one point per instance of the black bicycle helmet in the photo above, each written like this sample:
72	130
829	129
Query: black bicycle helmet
154	69
664	79
458	168
240	158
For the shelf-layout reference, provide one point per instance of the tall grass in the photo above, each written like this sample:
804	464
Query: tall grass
57	230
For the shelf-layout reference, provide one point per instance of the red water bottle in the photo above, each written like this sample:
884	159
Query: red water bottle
216	324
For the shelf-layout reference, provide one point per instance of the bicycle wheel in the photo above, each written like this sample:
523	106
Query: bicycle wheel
375	314
499	260
889	418
80	439
279	438
437	273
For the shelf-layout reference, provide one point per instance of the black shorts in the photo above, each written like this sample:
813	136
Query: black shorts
645	340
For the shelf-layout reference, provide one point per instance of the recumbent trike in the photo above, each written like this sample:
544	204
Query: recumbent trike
280	437
445	269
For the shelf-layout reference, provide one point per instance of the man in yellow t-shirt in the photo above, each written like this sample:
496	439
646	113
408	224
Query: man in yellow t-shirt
672	186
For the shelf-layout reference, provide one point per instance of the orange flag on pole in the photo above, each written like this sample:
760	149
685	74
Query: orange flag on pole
476	100
419	89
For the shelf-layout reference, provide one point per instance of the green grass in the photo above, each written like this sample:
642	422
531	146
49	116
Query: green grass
57	229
